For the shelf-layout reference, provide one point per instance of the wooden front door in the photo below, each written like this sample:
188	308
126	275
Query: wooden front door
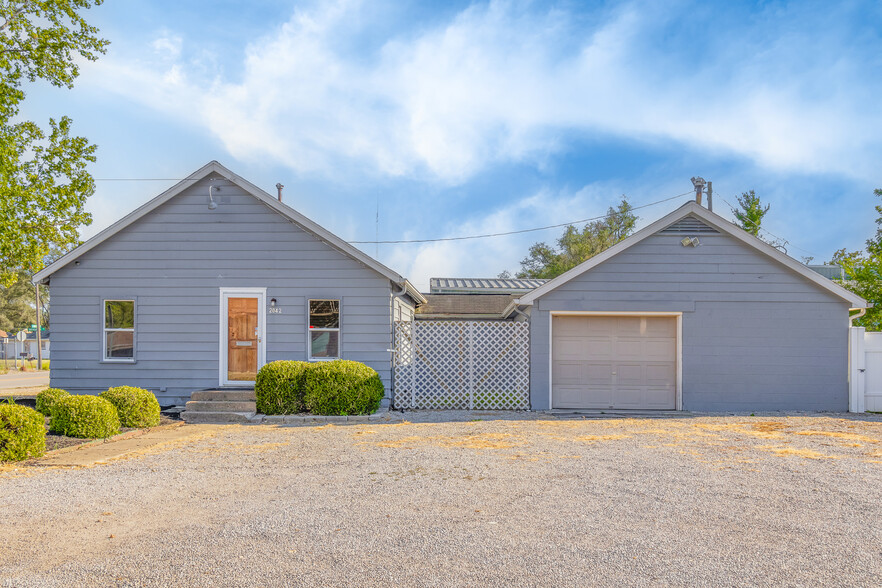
243	339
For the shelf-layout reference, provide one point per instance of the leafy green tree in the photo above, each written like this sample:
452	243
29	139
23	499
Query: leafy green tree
750	212
575	246
863	274
17	305
44	182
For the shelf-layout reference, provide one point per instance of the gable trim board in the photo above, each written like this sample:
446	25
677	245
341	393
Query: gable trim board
286	211
715	221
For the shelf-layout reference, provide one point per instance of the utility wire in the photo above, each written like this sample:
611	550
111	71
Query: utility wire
144	179
768	232
577	222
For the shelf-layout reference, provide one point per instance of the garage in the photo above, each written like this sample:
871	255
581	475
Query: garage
614	362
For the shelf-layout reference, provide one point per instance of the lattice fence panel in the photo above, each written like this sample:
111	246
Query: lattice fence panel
462	365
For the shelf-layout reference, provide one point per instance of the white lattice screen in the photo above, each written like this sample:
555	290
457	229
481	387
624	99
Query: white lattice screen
462	365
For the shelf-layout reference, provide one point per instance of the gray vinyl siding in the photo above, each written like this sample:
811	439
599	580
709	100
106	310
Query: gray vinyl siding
402	309
174	260
755	334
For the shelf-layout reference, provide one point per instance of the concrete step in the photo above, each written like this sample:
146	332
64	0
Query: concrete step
216	418
231	395
221	406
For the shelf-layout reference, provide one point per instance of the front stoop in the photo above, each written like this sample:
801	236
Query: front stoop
220	406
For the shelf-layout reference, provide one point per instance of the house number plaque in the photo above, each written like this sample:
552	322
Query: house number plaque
274	310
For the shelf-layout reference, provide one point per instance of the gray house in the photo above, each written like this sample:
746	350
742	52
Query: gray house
690	313
207	282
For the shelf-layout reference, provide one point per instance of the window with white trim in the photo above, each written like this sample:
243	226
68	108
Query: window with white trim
119	330
324	329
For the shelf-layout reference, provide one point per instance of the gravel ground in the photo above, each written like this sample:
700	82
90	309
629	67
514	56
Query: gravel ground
767	501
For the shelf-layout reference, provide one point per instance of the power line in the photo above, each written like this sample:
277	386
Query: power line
768	232
144	179
584	220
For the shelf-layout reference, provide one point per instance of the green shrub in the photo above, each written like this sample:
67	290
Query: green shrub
279	387
136	407
47	398
87	417
22	432
342	387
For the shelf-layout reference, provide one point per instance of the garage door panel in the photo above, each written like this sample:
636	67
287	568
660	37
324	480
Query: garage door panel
598	374
626	362
660	375
569	348
597	349
582	397
629	374
660	349
628	348
568	372
658	398
657	326
628	398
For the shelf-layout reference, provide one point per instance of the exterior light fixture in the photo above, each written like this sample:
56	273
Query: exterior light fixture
687	241
272	302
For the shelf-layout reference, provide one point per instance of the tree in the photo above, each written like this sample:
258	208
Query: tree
17	305
44	182
863	274
750	212
575	246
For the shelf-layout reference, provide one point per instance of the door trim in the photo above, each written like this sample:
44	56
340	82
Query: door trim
679	367
225	294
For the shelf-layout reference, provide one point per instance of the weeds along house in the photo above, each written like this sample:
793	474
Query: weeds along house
208	281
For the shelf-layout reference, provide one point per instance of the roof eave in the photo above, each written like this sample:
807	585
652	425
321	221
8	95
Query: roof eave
214	167
715	221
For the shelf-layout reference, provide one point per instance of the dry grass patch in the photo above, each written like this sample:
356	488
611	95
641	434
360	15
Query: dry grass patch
838	435
592	438
796	452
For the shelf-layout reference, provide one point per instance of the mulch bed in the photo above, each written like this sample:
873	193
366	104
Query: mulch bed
54	441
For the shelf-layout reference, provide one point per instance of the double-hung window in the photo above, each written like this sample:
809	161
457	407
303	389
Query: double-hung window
324	329
119	330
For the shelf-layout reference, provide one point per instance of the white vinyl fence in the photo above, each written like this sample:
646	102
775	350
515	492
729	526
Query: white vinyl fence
865	370
462	365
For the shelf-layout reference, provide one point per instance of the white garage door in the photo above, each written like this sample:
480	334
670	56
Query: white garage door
626	362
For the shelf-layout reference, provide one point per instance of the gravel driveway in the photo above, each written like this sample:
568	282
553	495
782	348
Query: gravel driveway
766	501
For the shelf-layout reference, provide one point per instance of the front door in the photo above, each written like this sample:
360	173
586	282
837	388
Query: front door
242	337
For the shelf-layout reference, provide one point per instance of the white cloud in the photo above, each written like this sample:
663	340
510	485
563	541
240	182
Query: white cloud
167	45
501	83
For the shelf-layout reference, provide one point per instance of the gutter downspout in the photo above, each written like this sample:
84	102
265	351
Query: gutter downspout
852	317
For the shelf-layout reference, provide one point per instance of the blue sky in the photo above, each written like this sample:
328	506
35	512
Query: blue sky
470	118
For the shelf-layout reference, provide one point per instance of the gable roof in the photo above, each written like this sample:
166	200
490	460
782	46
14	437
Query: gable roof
715	221
286	211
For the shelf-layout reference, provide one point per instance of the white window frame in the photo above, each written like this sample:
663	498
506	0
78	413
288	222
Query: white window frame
105	330
338	330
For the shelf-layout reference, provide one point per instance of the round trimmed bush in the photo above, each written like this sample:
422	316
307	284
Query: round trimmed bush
87	417
22	432
47	398
136	407
342	387
279	387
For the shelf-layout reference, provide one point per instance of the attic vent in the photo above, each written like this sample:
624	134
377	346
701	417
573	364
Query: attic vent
688	225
